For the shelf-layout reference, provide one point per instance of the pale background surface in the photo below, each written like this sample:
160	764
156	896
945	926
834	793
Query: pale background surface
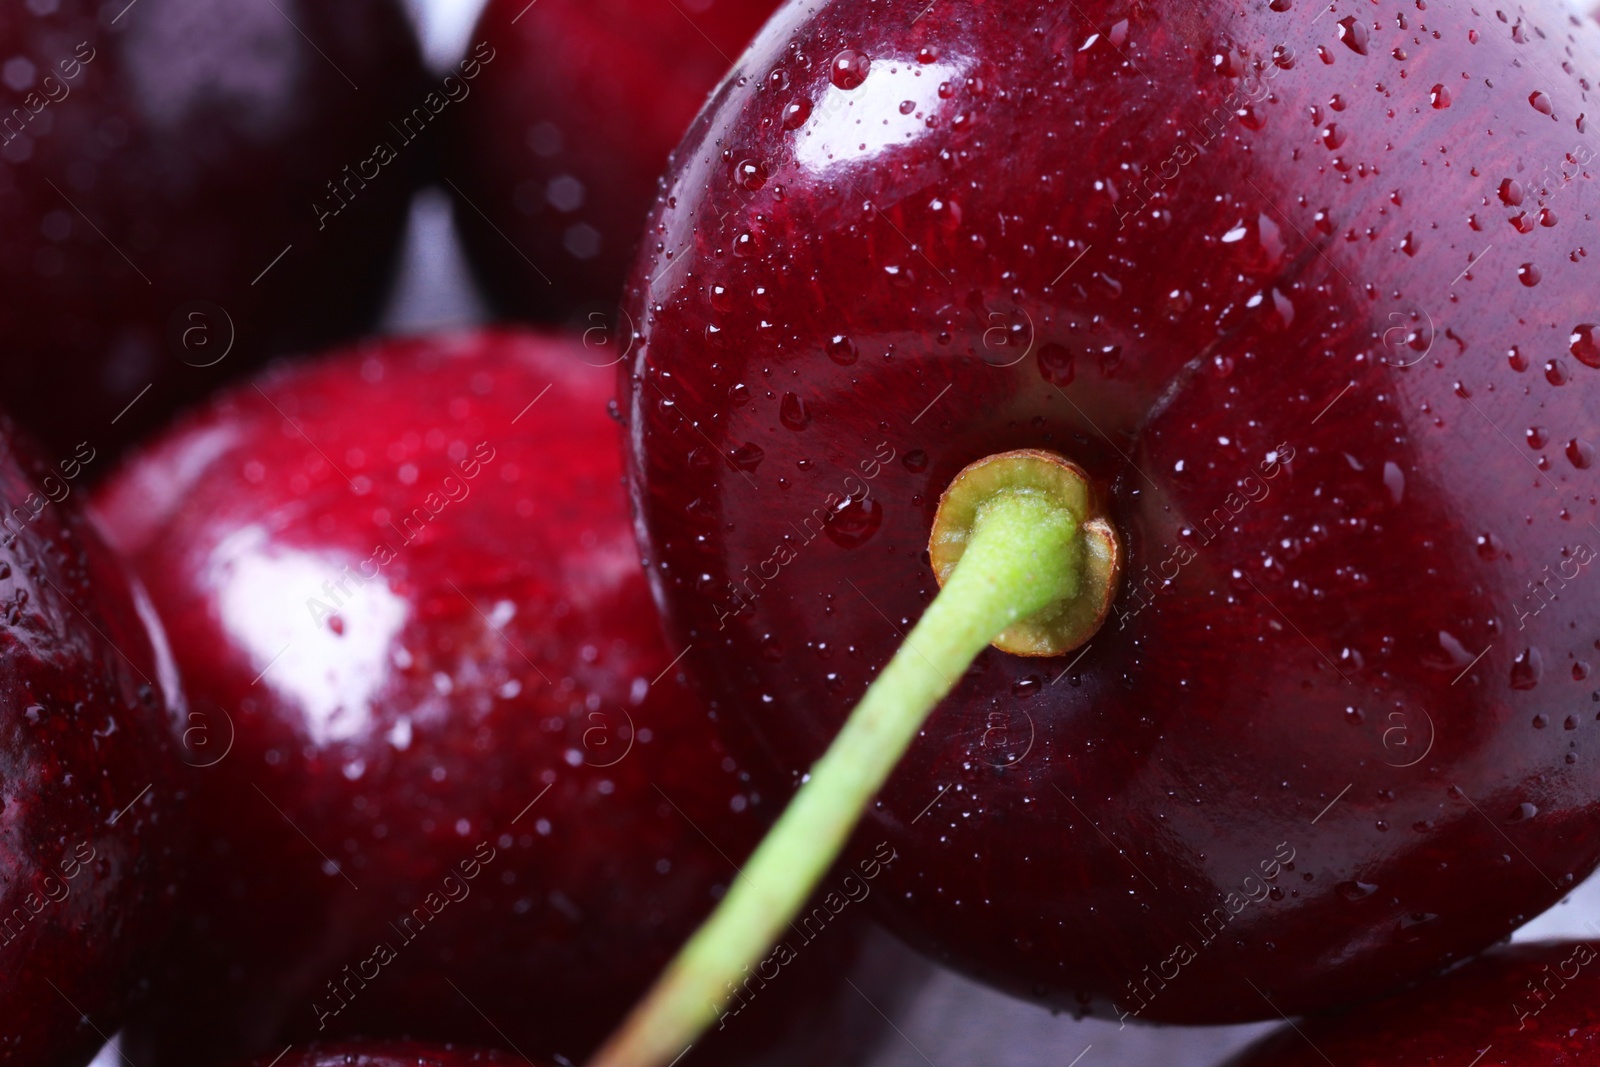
952	1022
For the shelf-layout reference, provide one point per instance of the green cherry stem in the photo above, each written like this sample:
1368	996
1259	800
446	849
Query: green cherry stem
1024	564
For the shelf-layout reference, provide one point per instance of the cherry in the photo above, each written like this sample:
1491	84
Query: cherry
1525	1005
455	787
1234	264
166	202
555	163
91	835
391	1054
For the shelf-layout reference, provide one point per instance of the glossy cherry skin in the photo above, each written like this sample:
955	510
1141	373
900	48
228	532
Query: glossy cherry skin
1224	257
155	160
478	719
556	162
392	1054
92	817
1528	1005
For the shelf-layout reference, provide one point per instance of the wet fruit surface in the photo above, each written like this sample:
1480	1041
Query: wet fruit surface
1309	296
555	161
91	811
452	785
1528	1005
182	193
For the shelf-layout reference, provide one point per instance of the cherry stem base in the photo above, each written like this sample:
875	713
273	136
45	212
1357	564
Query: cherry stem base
1023	557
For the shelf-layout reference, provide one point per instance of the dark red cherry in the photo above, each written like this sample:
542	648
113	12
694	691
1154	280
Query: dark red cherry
555	162
1529	1005
182	192
391	1054
455	785
1309	756
92	815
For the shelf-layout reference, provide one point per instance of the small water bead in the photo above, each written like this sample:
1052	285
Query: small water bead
1353	34
848	69
1555	372
1580	453
1537	437
1528	274
1541	103
792	412
795	113
1057	365
1518	361
915	461
748	456
841	350
1527	669
1510	192
750	174
1584	344
1439	96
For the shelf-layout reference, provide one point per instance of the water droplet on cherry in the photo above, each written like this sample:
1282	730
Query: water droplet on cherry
854	522
1353	34
849	69
1527	669
1584	344
841	350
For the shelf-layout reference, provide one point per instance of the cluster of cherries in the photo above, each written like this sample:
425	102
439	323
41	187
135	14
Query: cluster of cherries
1114	483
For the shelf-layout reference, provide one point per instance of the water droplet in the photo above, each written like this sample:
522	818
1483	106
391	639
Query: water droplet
1353	34
792	412
1408	245
1281	5
1528	275
1555	372
1538	437
1580	453
795	114
1056	364
1489	547
841	350
1518	361
1355	890
1525	811
1527	669
748	456
915	461
854	522
1510	192
849	69
744	245
1394	480
1439	96
750	174
1333	135
1541	103
1584	344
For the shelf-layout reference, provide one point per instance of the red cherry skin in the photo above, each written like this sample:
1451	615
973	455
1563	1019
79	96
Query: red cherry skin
466	794
392	1054
92	817
1527	1005
155	161
1225	258
555	163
